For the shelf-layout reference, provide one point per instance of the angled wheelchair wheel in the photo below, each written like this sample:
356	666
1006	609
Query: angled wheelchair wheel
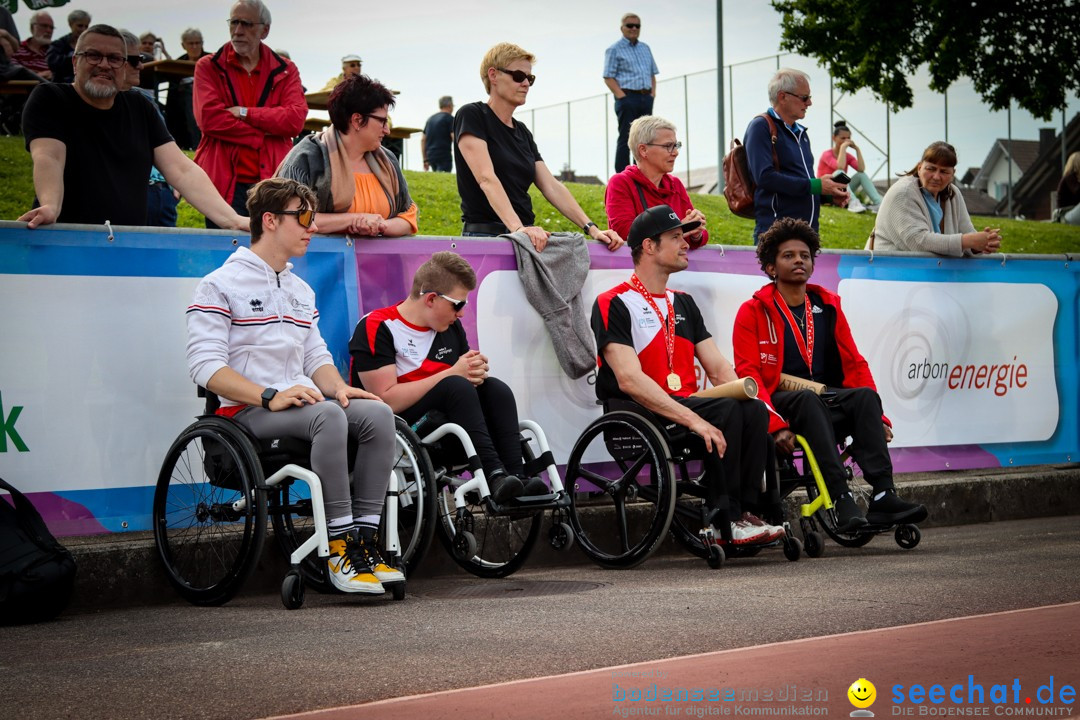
500	544
622	484
209	514
416	496
293	522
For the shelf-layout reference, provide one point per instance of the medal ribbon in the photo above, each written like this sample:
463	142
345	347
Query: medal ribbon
667	325
806	348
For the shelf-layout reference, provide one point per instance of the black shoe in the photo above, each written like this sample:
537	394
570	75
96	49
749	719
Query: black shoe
535	486
891	510
505	487
848	516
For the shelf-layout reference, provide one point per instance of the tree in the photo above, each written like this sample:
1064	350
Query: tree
1028	52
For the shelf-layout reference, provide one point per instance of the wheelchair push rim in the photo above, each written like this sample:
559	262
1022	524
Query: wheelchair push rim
621	477
209	512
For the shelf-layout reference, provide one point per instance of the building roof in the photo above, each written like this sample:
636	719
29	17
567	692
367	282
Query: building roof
1024	153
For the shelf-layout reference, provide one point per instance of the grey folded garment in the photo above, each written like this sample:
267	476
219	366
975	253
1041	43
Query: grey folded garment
553	280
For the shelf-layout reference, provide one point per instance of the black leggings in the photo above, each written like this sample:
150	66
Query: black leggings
488	412
745	424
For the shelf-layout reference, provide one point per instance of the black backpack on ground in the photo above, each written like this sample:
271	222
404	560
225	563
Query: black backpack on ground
37	574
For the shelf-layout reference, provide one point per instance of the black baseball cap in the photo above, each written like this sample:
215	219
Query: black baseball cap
654	222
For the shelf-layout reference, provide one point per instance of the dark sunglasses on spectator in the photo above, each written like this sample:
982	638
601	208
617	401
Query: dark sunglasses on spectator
95	58
634	26
137	60
304	216
458	305
518	76
246	24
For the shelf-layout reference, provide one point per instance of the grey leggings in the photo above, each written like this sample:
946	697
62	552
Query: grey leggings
327	426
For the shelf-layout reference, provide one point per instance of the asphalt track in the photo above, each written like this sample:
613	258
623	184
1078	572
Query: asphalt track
554	641
966	655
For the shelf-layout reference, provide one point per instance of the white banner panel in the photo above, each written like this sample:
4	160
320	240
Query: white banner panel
958	363
76	343
516	342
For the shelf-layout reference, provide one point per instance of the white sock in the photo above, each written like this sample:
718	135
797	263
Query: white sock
339	525
369	520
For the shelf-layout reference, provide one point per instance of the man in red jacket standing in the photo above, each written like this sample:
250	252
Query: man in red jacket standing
249	105
790	326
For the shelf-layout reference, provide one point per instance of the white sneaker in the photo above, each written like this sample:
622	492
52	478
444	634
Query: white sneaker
743	533
855	205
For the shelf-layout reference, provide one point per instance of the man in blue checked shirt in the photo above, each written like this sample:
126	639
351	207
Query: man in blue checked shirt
630	74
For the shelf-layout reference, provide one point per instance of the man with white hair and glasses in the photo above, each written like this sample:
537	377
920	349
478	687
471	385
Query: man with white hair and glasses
783	170
249	104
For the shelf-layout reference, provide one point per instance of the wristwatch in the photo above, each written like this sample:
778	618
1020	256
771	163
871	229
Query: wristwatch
243	112
588	225
267	396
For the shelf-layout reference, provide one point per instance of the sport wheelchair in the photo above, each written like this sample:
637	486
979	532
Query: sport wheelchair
625	464
483	537
219	484
801	471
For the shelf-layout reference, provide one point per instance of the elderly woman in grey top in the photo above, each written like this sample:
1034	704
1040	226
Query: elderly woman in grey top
923	212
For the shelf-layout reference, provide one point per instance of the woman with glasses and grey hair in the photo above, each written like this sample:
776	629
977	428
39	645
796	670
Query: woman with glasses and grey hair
497	160
650	183
359	184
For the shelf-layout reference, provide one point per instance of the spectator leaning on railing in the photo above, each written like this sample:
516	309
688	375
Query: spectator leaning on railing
359	185
93	146
650	182
497	160
924	212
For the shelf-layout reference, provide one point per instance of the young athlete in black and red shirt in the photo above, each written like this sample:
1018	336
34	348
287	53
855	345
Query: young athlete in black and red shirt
415	356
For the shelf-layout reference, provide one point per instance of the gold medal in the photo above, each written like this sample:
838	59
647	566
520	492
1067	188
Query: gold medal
674	382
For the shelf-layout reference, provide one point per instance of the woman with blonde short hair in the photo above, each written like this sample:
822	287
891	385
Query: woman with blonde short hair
497	160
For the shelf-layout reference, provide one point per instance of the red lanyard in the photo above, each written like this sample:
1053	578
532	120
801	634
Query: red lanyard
805	347
667	324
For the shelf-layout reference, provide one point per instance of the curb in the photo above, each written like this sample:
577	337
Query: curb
123	570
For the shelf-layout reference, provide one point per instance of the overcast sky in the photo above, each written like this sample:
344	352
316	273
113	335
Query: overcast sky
429	48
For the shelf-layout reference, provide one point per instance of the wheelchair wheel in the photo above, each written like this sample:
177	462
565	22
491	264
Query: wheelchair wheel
487	545
293	522
209	515
827	520
416	496
621	477
686	522
499	544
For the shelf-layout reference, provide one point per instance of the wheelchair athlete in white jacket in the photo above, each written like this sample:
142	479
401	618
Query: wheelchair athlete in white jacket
253	339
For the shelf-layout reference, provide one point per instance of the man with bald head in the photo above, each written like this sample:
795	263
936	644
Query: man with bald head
249	104
93	145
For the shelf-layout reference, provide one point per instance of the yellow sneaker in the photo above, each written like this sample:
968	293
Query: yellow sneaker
346	575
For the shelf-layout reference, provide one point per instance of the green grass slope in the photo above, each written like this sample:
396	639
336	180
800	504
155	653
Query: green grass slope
440	212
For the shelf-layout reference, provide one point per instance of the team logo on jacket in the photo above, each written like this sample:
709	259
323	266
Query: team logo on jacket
408	350
443	352
256	304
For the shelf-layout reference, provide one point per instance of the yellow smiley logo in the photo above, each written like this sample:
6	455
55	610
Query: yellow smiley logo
862	693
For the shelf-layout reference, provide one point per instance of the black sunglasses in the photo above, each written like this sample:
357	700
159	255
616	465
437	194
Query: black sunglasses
518	76
458	305
305	217
634	26
140	59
